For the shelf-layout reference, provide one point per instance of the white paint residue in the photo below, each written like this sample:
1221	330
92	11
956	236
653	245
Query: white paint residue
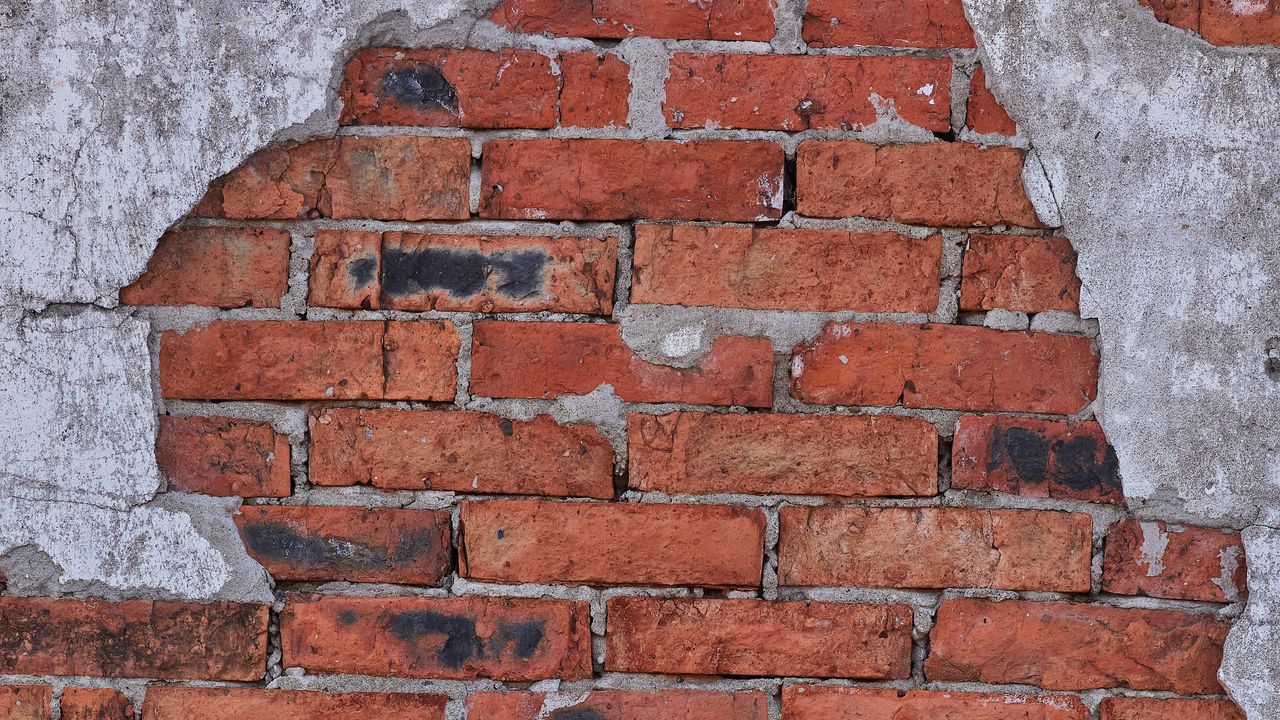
925	89
1248	7
1151	553
1229	564
552	702
680	343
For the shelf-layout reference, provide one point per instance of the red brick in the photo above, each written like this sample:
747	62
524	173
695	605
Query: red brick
1065	646
1118	708
1063	460
461	451
942	184
1179	13
617	19
346	270
611	543
984	113
409	547
935	548
456	638
215	267
757	637
26	702
895	23
133	638
222	456
837	455
184	703
95	704
381	178
1014	272
815	702
800	92
596	90
265	360
1222	24
946	366
548	360
620	705
785	269
1172	561
585	179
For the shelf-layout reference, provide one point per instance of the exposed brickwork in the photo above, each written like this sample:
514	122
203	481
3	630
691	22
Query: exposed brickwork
813	702
896	23
1025	274
712	20
182	703
984	113
217	267
223	456
26	702
621	705
1223	22
1174	561
1161	709
95	704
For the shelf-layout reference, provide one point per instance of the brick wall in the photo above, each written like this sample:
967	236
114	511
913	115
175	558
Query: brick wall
375	340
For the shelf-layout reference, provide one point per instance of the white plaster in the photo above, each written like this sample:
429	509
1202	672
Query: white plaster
1154	543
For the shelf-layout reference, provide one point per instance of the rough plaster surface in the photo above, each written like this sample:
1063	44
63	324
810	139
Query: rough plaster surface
1158	155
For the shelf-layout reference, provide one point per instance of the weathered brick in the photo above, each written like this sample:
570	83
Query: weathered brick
26	702
800	92
619	705
354	544
455	638
1122	708
895	23
1223	22
935	548
226	457
547	360
133	638
838	455
1179	13
1172	561
611	543
816	702
944	184
710	20
381	178
595	90
785	269
346	270
95	704
186	703
586	179
1066	646
215	267
984	113
1035	458
757	637
339	360
946	366
460	451
1020	273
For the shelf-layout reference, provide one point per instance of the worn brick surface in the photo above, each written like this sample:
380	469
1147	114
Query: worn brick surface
984	113
757	637
948	366
1066	646
815	702
449	638
459	451
941	184
1014	272
620	705
223	456
133	638
333	360
589	179
1035	458
785	269
1117	708
354	544
548	360
1174	561
839	455
346	269
800	92
215	267
896	23
183	703
26	702
95	704
611	543
710	20
1223	22
595	90
935	548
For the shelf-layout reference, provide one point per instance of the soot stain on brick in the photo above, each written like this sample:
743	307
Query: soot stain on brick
279	542
1076	465
462	643
577	713
423	86
361	271
462	273
1025	450
523	637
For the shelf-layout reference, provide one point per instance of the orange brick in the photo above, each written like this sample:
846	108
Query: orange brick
221	456
785	269
346	270
816	702
547	360
1025	274
1179	13
1117	708
941	184
215	267
838	455
26	702
620	705
95	704
456	638
1173	561
710	20
1221	23
757	637
611	543
187	703
895	23
596	90
984	113
935	548
946	366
